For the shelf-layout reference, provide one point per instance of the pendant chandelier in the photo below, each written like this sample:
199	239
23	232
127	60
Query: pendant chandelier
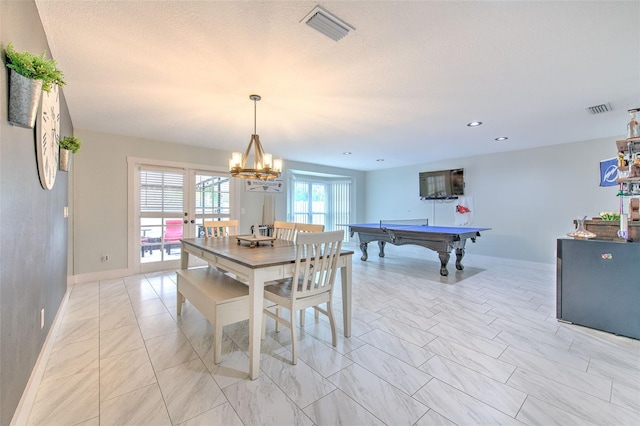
264	166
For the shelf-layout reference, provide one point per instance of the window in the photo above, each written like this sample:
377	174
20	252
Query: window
319	199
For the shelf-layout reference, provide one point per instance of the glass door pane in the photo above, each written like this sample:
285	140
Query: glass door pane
162	216
211	199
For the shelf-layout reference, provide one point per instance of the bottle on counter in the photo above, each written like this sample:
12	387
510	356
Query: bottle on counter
633	128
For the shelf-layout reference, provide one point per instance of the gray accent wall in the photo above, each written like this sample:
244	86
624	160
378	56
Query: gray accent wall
33	253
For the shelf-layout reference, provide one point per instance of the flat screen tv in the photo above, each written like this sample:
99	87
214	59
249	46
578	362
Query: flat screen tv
441	184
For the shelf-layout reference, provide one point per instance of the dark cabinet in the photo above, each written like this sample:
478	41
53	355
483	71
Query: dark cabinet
598	285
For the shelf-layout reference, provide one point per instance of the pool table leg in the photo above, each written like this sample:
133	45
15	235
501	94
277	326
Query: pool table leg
363	248
444	259
459	256
381	247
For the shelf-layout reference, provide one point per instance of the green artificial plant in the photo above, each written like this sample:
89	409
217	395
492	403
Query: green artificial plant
71	143
35	67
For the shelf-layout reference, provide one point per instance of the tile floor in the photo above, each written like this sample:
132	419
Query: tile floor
479	347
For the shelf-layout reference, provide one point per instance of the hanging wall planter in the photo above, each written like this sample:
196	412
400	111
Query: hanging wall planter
65	159
29	76
68	145
24	98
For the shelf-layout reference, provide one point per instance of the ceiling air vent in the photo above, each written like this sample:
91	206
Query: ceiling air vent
599	109
324	22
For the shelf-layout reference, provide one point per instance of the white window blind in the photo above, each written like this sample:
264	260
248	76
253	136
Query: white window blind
161	192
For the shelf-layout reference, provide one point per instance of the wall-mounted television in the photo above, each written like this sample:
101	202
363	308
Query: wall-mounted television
441	184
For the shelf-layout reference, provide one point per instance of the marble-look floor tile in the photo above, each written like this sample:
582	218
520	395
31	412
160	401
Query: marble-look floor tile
613	371
148	307
233	367
118	317
627	357
468	311
199	333
337	408
467	324
119	340
78	330
539	413
141	291
261	402
390	369
140	407
459	407
596	379
222	415
577	379
114	301
321	330
299	382
477	361
321	357
169	350
573	401
126	372
405	351
469	340
157	325
411	319
491	392
533	333
403	331
70	400
81	309
554	353
71	359
432	418
383	400
626	396
189	390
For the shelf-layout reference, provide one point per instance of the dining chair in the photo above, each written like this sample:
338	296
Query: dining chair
284	230
220	228
311	285
306	227
172	234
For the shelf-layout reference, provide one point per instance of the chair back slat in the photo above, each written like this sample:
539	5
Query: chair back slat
316	262
307	227
220	228
284	230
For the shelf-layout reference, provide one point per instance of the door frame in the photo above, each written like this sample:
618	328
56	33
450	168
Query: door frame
133	220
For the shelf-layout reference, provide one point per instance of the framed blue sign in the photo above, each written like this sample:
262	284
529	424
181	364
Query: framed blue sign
609	172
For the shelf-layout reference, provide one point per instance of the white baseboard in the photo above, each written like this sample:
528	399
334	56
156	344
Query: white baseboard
99	276
21	415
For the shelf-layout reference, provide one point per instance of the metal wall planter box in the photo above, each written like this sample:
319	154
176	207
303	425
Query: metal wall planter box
24	97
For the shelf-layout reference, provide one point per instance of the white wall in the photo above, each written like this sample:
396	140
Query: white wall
100	191
529	198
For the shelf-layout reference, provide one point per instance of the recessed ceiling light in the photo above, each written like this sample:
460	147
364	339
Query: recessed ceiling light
502	138
346	153
474	123
380	159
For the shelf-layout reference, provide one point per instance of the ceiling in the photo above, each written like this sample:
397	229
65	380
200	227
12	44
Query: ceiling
401	87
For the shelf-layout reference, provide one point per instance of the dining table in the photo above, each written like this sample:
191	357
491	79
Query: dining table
256	266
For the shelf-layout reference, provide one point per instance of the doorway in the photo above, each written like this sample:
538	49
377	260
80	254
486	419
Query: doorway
171	203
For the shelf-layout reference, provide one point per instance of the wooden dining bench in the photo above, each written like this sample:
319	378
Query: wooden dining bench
220	298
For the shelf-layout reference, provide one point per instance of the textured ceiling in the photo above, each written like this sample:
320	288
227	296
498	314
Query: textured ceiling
401	87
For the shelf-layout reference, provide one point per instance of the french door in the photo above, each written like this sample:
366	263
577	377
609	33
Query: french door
172	203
